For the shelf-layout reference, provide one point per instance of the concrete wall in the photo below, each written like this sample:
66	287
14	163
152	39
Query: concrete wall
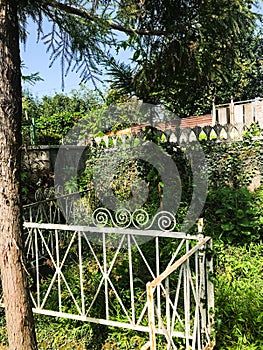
43	157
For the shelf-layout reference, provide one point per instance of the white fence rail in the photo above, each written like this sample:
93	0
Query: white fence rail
100	274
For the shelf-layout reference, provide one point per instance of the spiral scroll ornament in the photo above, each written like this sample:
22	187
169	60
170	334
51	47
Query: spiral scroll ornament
101	217
122	218
140	218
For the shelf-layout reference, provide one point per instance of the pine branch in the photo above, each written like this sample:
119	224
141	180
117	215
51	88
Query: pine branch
87	15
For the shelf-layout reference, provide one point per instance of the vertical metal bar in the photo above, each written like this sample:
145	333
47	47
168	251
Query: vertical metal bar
158	292
210	293
168	316
187	299
50	212
197	331
131	279
66	208
105	275
198	263
83	311
151	318
30	214
196	328
202	295
52	244
54	212
37	269
58	270
31	245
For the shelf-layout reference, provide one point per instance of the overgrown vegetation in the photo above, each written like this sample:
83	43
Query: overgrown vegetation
239	296
233	218
208	40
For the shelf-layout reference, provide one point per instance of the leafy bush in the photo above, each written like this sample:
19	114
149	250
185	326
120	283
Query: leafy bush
239	296
52	129
46	121
234	215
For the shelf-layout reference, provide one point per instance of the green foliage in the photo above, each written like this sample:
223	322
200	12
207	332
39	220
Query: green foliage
126	174
239	296
121	77
234	164
51	130
234	215
59	334
232	212
78	101
207	50
124	178
32	78
48	120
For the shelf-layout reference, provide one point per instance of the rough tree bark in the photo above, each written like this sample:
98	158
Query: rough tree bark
19	317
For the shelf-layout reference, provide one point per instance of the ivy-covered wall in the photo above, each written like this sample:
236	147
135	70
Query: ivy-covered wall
215	140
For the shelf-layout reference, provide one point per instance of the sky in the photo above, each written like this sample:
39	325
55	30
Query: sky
36	59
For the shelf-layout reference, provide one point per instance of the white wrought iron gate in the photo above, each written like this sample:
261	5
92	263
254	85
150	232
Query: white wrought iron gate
145	278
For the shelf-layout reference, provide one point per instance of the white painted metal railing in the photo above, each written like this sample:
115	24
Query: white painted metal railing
99	274
198	295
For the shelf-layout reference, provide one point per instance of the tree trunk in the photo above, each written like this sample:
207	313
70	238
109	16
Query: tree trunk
19	317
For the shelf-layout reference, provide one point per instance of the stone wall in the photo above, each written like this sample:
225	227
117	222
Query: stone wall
43	157
37	158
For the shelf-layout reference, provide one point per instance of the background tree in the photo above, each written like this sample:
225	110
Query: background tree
56	115
210	49
19	316
78	36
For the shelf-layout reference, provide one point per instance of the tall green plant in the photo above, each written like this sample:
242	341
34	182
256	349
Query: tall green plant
234	215
239	297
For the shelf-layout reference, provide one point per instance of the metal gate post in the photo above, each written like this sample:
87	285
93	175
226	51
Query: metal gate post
210	296
151	318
